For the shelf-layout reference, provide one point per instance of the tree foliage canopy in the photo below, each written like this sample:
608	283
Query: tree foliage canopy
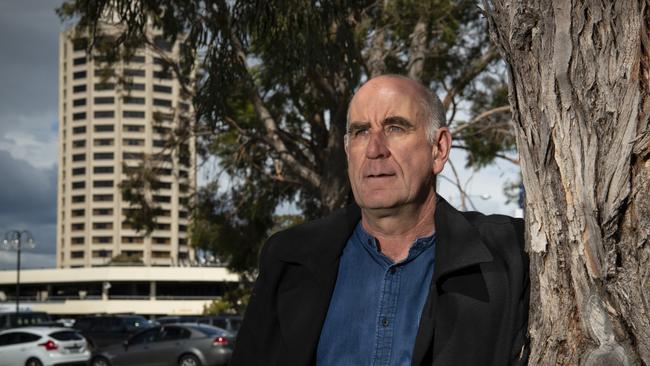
272	84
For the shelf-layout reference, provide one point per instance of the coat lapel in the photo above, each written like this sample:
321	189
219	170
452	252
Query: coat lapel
458	245
311	268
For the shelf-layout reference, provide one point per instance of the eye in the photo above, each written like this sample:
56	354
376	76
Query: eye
394	129
359	132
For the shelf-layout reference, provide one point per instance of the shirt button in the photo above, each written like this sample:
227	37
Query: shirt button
384	322
391	270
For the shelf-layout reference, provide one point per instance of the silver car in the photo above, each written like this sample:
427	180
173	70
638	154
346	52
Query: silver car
173	345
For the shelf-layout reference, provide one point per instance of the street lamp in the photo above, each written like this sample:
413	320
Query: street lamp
18	240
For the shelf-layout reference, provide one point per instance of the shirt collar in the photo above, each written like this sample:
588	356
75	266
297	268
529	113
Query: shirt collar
369	243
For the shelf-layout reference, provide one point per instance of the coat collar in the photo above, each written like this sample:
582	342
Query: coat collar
458	242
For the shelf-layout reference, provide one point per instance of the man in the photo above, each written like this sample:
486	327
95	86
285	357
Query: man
402	278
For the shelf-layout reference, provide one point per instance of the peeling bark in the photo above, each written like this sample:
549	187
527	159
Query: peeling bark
578	75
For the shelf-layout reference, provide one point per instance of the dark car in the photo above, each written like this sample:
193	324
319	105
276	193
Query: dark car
178	319
170	345
105	330
24	318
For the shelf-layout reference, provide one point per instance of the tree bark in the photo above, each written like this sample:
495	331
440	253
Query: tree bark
579	94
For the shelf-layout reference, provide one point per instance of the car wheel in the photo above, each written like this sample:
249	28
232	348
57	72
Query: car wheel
99	361
33	362
189	360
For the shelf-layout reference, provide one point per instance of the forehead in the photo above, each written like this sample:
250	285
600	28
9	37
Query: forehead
377	100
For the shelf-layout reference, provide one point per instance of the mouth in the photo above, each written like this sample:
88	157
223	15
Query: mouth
380	175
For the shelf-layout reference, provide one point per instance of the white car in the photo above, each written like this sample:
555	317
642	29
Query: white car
42	346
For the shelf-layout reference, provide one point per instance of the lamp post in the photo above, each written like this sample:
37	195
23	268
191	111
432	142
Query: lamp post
17	240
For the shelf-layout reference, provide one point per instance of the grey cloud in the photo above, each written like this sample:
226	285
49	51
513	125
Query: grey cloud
28	202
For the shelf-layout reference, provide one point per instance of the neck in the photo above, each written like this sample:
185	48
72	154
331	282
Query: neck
396	229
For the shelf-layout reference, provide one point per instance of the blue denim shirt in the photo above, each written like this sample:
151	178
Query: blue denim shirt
375	309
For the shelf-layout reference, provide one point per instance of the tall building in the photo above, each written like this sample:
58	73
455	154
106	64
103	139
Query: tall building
111	119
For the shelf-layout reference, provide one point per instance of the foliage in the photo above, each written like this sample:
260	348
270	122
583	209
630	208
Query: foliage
232	302
271	82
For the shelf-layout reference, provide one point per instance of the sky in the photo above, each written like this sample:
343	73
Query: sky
29	128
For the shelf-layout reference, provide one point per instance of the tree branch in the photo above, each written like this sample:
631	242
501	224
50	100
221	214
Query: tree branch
486	114
461	82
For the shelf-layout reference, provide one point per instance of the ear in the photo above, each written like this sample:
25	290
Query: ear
345	144
440	149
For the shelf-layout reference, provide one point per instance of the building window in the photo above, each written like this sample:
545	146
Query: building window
102	239
132	155
104	100
162	130
79	130
79	157
184	106
162	185
102	184
79	61
162	199
79	88
133	128
102	225
79	171
79	143
132	239
102	253
102	197
103	156
160	240
77	226
78	185
103	212
133	114
133	72
159	143
133	142
104	128
162	102
104	114
158	61
163	226
159	254
79	199
182	214
133	86
79	75
79	102
103	142
78	116
162	75
104	86
103	170
162	89
77	254
133	100
78	240
78	212
182	228
137	59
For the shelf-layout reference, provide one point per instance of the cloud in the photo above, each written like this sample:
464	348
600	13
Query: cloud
29	74
28	202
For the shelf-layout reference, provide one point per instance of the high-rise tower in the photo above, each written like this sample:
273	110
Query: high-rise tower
110	120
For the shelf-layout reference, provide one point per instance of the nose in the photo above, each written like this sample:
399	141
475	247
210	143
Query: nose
377	148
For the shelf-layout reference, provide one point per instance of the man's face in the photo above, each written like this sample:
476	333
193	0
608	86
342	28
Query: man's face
390	161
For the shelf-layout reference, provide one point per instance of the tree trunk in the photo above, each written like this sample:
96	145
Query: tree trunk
579	94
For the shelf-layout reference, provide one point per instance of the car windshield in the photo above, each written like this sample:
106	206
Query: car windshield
137	322
66	335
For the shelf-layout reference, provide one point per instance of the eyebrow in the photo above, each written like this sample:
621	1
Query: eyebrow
400	121
358	126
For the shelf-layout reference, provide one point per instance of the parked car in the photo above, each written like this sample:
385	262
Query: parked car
23	318
42	346
105	330
231	323
170	345
178	319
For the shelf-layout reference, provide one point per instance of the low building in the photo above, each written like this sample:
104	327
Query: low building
149	291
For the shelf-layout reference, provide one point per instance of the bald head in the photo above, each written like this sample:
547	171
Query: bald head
431	111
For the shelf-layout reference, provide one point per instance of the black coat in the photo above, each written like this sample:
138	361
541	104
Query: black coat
476	312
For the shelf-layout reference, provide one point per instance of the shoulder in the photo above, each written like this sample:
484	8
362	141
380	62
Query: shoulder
323	235
503	235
